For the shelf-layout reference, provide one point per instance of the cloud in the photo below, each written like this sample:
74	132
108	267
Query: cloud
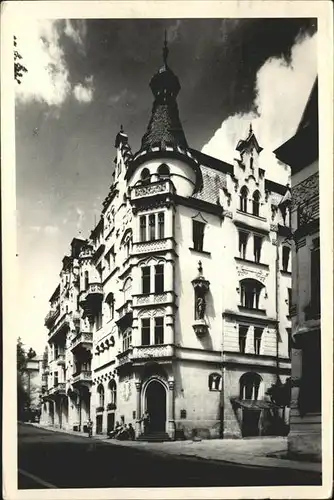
84	93
81	217
48	76
77	31
282	91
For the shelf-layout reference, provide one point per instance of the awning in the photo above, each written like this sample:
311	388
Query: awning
256	404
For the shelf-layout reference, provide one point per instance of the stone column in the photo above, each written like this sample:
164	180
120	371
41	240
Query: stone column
171	412
138	409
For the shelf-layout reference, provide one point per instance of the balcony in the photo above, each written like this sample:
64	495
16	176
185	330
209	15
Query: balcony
124	314
83	340
61	325
60	359
150	299
143	353
94	293
83	377
58	388
153	246
153	189
51	317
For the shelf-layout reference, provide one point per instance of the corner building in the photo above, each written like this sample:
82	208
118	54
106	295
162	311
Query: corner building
179	299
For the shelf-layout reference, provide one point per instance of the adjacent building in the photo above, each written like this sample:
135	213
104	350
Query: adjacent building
301	153
178	302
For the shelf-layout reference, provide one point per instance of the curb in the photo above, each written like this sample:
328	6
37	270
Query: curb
254	461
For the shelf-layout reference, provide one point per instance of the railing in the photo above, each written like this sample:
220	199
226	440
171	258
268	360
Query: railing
153	298
153	351
153	246
125	308
51	316
251	220
83	376
124	357
95	290
82	338
152	189
59	388
111	406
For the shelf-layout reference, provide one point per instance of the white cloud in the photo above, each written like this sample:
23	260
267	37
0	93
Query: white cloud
282	93
50	230
84	93
81	217
47	79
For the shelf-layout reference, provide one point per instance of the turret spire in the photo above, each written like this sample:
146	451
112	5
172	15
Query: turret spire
165	49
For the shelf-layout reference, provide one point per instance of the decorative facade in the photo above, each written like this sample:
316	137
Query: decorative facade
301	153
178	302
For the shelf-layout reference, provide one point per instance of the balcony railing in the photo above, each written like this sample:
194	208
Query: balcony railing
58	388
111	406
63	322
152	189
145	352
83	376
83	339
153	298
249	219
51	316
60	359
153	246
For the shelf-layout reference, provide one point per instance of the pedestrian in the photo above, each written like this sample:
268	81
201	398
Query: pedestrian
146	421
116	430
89	427
131	432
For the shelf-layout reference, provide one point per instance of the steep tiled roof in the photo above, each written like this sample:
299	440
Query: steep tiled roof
213	181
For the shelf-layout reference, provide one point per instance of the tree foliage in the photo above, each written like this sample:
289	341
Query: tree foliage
23	395
280	394
19	68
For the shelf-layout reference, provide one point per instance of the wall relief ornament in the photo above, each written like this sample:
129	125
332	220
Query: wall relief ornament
257	274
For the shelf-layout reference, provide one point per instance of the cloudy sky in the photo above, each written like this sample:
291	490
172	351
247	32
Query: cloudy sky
86	77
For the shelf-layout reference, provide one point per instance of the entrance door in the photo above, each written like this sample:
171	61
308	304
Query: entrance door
110	422
99	424
250	422
156	406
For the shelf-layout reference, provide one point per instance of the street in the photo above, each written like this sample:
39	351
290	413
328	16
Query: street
52	459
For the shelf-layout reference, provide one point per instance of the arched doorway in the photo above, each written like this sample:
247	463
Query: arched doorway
156	406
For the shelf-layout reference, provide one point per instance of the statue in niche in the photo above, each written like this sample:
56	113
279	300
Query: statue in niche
200	307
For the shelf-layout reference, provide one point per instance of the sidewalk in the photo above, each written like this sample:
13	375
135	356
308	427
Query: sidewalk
251	452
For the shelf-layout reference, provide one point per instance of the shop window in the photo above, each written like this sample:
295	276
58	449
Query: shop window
243	199
198	235
242	338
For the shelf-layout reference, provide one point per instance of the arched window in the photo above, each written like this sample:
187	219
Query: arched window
250	291
110	301
163	170
243	199
127	289
112	392
100	392
250	385
145	176
256	203
215	381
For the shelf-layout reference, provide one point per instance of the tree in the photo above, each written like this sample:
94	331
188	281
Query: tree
23	399
19	69
280	394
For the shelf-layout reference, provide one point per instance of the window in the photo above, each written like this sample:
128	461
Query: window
250	293
163	170
215	382
151	227
249	386
56	351
161	225
285	257
257	340
143	228
198	235
145	176
256	203
110	301
289	341
55	379
145	331
98	319
242	337
159	330
243	237
289	299
127	289
243	199
127	340
146	279
315	276
86	280
100	392
159	279
257	248
112	392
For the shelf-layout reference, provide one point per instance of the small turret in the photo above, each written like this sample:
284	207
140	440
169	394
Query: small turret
122	144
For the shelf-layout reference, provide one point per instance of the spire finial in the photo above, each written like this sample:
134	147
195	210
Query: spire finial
200	268
165	49
122	130
250	128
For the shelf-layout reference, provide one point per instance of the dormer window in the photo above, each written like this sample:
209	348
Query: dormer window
256	203
145	176
243	199
163	171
